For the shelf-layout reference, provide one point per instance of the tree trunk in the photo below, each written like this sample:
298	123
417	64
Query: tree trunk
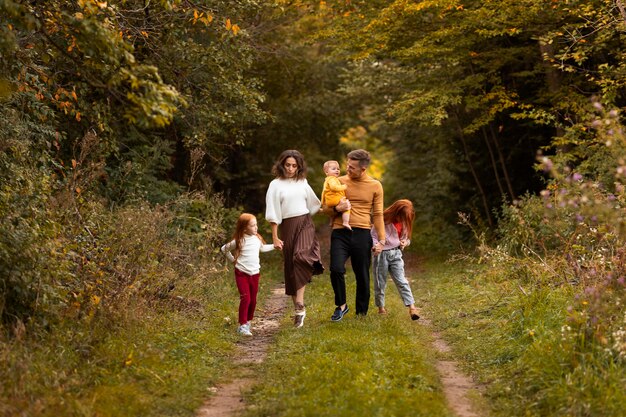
483	196
494	165
502	163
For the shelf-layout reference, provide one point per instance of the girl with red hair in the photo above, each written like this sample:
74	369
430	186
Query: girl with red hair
246	245
398	219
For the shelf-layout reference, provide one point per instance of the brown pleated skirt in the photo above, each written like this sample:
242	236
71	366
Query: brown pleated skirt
301	252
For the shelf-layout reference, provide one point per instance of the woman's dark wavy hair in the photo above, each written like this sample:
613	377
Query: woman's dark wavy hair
278	170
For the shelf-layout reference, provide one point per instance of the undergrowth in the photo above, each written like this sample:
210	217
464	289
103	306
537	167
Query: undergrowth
141	323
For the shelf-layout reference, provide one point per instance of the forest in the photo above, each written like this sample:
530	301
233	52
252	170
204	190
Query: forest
134	132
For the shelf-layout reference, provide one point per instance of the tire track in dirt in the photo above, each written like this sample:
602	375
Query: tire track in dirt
456	385
227	400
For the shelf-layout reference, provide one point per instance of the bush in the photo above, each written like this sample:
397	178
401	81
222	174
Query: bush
29	265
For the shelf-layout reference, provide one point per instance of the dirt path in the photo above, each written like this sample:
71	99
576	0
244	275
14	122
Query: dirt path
228	399
456	385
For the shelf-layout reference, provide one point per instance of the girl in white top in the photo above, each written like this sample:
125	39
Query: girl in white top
247	243
290	203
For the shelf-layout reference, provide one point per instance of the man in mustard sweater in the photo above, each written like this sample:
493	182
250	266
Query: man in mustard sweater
365	202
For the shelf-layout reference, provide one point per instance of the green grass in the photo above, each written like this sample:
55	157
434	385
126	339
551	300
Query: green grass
366	366
507	333
153	360
504	328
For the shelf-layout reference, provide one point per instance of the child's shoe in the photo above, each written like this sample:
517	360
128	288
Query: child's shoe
244	330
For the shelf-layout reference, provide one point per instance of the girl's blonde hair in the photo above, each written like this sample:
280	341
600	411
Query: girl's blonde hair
401	212
240	232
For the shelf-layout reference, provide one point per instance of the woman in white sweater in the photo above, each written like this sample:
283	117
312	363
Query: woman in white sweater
290	203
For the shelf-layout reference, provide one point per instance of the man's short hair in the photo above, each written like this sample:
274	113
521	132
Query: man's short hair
362	156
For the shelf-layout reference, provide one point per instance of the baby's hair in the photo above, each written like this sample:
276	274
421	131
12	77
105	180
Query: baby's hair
240	232
329	163
401	211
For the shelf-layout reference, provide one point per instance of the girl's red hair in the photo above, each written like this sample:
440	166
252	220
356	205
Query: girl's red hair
240	232
402	212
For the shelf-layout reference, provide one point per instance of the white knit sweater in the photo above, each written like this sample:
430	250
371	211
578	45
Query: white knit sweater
288	198
248	260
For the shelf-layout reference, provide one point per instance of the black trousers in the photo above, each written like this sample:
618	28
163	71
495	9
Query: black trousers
356	245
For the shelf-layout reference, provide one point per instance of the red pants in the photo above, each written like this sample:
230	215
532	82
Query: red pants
248	286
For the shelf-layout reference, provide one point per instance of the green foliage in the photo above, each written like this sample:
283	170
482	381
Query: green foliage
29	263
136	273
564	248
513	325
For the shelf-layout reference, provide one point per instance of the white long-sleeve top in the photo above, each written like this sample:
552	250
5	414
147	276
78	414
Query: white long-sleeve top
288	198
248	260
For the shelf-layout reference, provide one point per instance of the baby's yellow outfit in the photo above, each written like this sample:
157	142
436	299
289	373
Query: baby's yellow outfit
333	191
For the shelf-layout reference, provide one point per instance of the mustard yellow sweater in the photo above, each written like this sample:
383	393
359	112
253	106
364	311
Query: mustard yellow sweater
366	197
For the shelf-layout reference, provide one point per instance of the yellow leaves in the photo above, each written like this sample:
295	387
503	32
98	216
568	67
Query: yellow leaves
228	24
72	45
74	163
95	299
202	17
78	116
129	359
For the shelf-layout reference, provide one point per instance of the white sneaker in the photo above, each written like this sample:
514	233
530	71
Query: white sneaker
244	330
298	319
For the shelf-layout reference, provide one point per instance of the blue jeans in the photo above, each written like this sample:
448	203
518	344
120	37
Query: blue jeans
390	261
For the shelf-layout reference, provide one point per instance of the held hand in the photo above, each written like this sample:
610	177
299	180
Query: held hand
377	248
403	244
344	205
278	244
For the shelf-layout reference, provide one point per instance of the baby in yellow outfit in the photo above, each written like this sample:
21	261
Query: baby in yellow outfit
334	190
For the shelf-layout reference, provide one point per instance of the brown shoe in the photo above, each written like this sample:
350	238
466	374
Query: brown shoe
381	310
413	312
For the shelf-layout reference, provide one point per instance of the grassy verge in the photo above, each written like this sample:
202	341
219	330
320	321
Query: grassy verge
513	334
371	366
152	360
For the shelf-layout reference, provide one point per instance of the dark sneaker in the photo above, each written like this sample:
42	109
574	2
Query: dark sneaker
339	313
